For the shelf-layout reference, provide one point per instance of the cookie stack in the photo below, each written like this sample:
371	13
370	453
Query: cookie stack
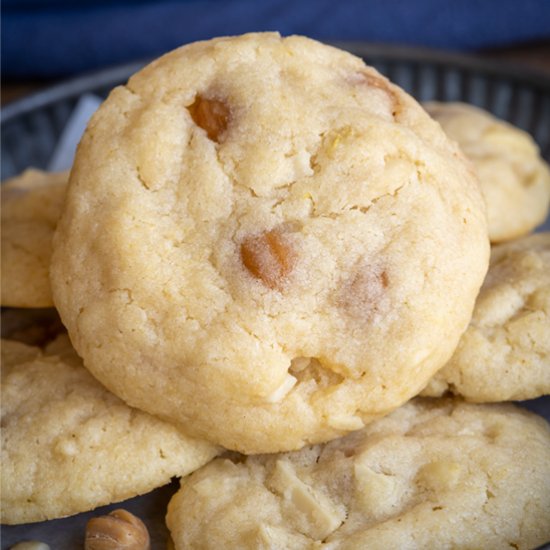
268	249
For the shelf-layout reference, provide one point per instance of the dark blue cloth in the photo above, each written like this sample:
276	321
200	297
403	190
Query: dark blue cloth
45	38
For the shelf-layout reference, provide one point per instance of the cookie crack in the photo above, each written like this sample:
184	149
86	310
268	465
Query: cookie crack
389	194
489	496
230	176
141	179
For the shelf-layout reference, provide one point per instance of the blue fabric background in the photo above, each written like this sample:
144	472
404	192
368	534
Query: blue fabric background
47	38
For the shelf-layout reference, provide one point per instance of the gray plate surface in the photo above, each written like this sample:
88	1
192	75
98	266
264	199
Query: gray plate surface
31	127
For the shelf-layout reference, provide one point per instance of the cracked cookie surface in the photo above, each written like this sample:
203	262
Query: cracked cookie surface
266	240
69	445
505	352
31	207
514	179
433	474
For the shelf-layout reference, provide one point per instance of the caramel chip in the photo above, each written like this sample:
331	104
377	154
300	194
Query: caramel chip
364	293
212	115
268	258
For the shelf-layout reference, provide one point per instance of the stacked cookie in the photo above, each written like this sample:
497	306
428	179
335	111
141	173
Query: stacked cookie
513	178
268	247
69	445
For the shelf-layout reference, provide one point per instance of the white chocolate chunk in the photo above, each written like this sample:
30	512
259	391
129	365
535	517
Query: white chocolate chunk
440	475
377	494
282	390
347	423
324	517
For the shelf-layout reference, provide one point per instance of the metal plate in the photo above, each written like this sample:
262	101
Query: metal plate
31	127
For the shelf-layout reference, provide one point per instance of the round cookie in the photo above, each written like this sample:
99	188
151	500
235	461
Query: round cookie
68	445
505	352
514	178
433	474
266	240
31	208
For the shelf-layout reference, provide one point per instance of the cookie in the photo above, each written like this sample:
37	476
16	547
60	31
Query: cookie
505	353
267	241
68	445
514	178
433	474
31	207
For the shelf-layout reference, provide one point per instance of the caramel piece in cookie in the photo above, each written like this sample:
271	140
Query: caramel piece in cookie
211	115
433	474
242	207
31	208
514	179
365	293
68	445
268	258
505	353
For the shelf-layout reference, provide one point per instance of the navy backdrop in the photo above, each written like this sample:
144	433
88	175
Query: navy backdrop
47	38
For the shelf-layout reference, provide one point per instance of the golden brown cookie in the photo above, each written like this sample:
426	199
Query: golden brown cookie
514	178
505	353
31	208
267	241
68	445
433	474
